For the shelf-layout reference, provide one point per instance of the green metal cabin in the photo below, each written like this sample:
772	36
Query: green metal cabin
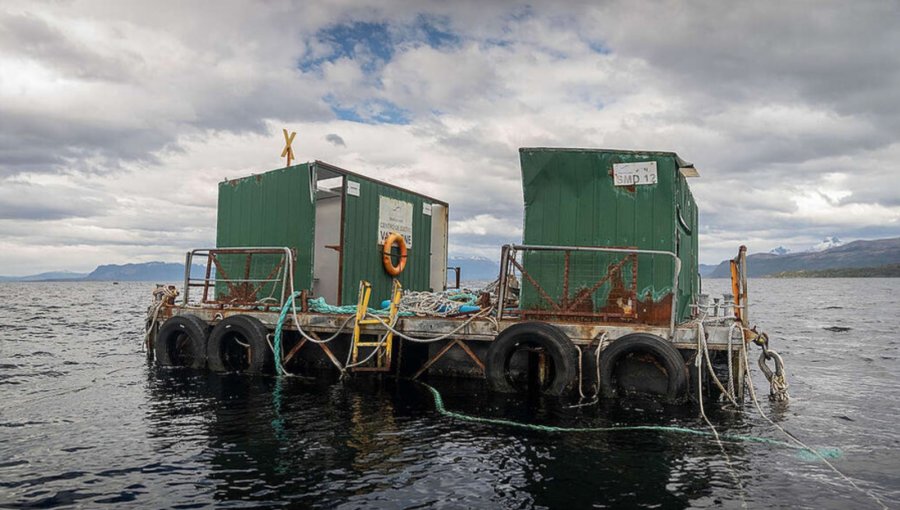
334	220
613	199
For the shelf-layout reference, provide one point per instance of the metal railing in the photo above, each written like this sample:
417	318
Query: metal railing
508	259
244	290
457	271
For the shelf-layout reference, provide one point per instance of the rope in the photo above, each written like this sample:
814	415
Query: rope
799	442
437	338
442	410
701	344
441	304
290	305
162	295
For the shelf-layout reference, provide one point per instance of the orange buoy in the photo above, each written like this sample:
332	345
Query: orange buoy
387	258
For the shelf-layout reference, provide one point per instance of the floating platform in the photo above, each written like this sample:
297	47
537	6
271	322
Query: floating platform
602	298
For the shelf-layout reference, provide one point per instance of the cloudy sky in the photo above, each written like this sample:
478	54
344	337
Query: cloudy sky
118	119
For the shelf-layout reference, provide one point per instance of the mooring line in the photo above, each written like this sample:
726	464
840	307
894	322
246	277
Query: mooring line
442	410
798	441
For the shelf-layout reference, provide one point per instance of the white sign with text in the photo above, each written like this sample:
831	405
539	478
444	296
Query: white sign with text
630	174
395	216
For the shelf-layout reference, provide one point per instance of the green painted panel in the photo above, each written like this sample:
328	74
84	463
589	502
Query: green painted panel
275	209
362	253
570	199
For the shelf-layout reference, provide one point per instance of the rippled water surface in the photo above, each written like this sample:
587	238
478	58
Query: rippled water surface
86	422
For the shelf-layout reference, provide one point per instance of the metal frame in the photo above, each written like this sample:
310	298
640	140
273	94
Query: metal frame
458	272
285	266
509	252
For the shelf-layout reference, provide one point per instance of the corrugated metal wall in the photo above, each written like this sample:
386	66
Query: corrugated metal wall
570	199
275	208
362	253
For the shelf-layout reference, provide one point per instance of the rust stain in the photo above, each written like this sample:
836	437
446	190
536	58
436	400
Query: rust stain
655	313
620	300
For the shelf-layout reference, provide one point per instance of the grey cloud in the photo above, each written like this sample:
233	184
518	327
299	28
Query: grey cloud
31	36
335	139
23	201
118	107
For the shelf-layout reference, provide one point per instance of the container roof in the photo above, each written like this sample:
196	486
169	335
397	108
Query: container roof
327	171
686	168
335	171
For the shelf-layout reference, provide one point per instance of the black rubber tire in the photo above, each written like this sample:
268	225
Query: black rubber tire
225	354
664	352
555	343
181	341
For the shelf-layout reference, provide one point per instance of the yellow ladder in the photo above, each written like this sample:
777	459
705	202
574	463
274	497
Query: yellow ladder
383	358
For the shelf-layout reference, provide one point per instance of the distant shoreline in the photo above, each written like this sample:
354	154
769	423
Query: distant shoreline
887	271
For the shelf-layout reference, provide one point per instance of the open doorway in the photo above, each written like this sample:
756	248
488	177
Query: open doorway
328	235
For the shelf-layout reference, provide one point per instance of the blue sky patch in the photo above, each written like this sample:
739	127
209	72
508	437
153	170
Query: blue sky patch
373	111
374	44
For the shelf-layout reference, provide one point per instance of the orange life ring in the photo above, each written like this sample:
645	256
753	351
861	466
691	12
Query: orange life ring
387	258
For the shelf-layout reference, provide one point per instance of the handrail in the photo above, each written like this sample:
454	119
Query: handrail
511	249
287	259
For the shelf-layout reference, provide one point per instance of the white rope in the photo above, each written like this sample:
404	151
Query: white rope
440	304
731	471
433	339
161	295
701	341
799	442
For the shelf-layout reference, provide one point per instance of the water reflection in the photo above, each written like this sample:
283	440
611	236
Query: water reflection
371	442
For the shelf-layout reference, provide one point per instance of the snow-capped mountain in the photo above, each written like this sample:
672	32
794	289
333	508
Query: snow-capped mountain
781	250
827	243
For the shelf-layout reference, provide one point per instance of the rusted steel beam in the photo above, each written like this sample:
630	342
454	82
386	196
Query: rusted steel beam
537	286
606	278
294	350
446	349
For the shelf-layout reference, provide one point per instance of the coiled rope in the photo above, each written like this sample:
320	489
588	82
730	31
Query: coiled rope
162	295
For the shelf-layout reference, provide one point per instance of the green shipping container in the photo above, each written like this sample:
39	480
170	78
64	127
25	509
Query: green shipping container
613	199
334	220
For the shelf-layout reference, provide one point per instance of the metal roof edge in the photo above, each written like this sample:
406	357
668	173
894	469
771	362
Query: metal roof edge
339	170
682	164
343	171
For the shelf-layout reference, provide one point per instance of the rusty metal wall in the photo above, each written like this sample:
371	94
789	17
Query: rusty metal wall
570	199
362	258
275	208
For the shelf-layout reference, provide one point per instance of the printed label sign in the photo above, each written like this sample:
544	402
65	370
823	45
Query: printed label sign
629	174
352	188
426	209
395	216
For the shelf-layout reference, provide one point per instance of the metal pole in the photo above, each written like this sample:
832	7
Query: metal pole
501	290
674	299
187	276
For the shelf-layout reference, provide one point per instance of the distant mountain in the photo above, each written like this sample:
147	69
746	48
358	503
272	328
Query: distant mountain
147	271
781	250
475	268
706	269
886	271
43	277
858	254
